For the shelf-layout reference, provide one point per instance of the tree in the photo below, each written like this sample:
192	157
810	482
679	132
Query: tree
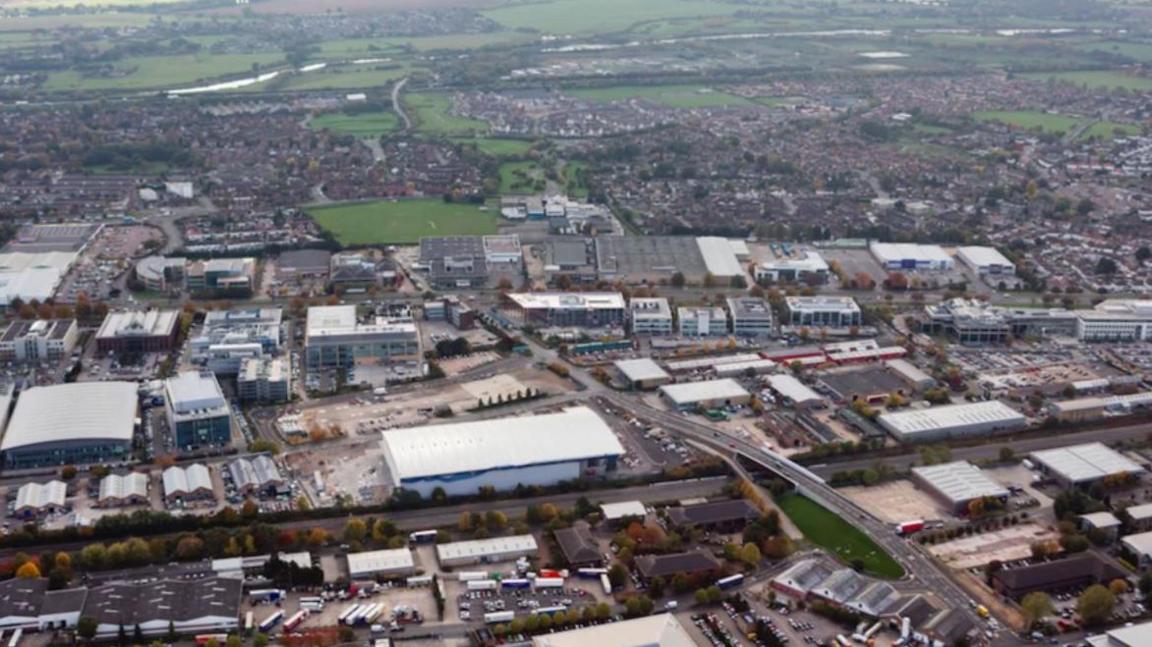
86	627
1035	606
261	640
233	641
750	555
1007	454
1118	586
28	571
189	548
677	280
1106	266
1095	605
355	530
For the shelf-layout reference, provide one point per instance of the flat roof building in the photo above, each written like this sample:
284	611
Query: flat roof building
137	331
751	317
38	341
652	316
794	391
1137	635
720	257
702	322
823	312
76	423
221	276
669	565
623	510
957	484
500	453
581	309
372	563
663	630
455	261
806	267
1116	320
721	516
335	338
649	259
198	413
642	373
952	421
209	605
297	264
1084	464
1076	571
708	394
486	551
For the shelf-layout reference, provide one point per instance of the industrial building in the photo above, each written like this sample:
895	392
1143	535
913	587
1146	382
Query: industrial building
1074	572
579	309
335	338
794	392
823	311
264	379
669	565
751	317
1095	408
1083	465
228	337
26	603
663	630
149	331
1116	320
120	490
650	316
642	374
911	374
803	267
952	421
702	322
486	551
189	607
717	516
720	257
738	369
36	499
986	260
187	483
454	261
298	264
42	340
910	256
255	475
32	276
76	423
708	394
578	545
500	453
387	563
957	484
198	413
623	510
712	363
1130	635
649	259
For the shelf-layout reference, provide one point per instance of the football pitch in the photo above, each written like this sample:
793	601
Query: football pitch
388	222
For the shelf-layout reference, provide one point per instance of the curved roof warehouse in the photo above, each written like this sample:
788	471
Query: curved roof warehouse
501	453
77	423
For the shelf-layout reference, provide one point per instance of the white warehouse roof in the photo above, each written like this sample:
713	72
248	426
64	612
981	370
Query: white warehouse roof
690	392
907	251
978	256
477	548
960	481
1134	636
571	435
623	509
955	416
186	480
569	300
380	561
719	257
793	389
1088	462
78	411
663	630
641	370
41	495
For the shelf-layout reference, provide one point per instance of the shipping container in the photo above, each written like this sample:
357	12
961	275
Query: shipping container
204	639
591	573
483	585
468	576
515	584
347	613
497	617
271	621
295	620
266	595
548	583
606	583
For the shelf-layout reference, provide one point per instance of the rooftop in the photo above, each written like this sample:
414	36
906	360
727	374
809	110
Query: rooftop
523	544
668	565
691	392
983	256
380	561
77	411
960	481
711	513
569	300
952	416
825	302
622	509
643	369
192	392
663	630
1088	462
793	389
148	323
719	257
577	433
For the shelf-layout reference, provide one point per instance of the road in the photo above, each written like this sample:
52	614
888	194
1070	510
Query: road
398	106
1023	446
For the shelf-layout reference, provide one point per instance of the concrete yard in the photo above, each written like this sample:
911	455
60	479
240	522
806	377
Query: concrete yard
896	501
1006	544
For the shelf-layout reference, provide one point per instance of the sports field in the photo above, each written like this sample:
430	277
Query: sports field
387	222
837	536
592	16
364	124
431	112
1029	120
670	96
497	147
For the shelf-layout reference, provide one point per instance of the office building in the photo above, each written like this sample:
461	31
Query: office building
227	338
702	322
335	338
650	316
198	414
221	276
751	317
150	331
803	267
823	311
455	261
160	274
1116	320
264	379
577	309
42	340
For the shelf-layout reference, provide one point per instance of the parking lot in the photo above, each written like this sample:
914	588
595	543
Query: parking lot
1006	545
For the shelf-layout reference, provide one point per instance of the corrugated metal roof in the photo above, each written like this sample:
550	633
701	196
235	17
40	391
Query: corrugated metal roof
75	411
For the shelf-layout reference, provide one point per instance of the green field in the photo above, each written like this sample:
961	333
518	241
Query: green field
1097	79
386	222
1029	120
600	16
149	72
837	536
670	96
497	147
342	77
364	124
1109	129
521	177
573	186
431	113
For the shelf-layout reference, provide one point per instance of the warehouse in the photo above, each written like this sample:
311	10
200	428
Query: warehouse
614	512
188	607
187	483
486	551
663	630
705	395
688	365
1085	464
35	499
957	484
719	257
911	374
255	475
149	331
387	563
642	374
649	259
739	369
1130	635
794	391
76	423
118	490
986	260
500	453
1094	408
910	256
952	421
